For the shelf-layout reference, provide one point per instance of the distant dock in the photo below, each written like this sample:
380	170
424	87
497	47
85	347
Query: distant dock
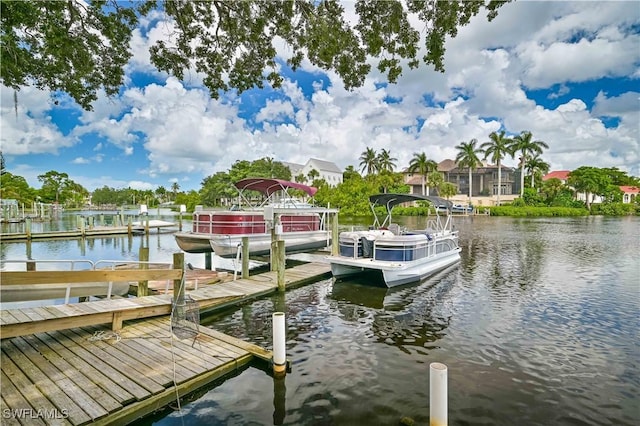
92	231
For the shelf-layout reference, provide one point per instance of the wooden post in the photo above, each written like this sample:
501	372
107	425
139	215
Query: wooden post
178	289
27	227
272	261
81	219
207	261
31	266
245	257
280	259
143	286
101	219
335	243
122	215
90	222
129	228
146	225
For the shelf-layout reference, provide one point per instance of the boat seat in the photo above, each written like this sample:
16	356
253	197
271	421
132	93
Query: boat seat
395	228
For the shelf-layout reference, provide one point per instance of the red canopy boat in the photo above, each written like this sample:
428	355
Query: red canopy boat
221	231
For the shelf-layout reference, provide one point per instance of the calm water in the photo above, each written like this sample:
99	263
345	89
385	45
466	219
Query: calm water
538	325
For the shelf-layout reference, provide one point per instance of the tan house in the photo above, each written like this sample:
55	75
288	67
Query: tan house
485	182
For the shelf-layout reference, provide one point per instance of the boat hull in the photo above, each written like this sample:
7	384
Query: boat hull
193	242
29	292
260	244
393	273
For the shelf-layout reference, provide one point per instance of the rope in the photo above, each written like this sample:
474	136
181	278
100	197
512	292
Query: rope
105	335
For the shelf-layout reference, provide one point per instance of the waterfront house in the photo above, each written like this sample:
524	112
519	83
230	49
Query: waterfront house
325	170
484	180
629	193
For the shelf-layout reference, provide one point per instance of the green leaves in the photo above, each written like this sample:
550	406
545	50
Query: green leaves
79	48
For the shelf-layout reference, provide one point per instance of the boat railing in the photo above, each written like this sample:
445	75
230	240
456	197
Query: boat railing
302	223
31	264
73	265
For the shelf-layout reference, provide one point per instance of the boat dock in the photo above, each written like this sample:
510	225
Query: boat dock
96	231
114	361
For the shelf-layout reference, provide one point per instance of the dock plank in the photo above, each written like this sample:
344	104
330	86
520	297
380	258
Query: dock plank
100	378
114	373
195	359
149	359
105	400
56	381
48	389
150	380
14	400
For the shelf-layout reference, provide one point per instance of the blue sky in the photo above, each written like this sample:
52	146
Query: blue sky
569	72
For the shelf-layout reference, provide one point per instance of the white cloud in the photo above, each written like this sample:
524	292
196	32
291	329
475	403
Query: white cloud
490	68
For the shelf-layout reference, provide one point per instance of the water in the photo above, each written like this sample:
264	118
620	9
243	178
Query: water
538	325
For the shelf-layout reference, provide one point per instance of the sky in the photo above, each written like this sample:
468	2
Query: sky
569	72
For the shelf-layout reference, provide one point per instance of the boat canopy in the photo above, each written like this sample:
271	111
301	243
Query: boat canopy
391	200
269	186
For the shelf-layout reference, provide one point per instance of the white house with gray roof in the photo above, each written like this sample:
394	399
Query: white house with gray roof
326	170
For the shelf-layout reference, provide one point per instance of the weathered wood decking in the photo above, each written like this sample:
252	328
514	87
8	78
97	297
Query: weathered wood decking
67	377
54	372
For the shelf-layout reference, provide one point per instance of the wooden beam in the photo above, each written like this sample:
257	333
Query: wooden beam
102	275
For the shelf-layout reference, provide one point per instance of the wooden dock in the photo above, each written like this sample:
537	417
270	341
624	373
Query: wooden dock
57	369
96	231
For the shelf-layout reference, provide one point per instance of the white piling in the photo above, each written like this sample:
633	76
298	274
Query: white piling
438	394
279	345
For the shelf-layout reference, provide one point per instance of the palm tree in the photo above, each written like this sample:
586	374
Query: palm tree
422	165
313	173
497	148
435	179
174	188
536	166
385	161
369	161
468	157
527	148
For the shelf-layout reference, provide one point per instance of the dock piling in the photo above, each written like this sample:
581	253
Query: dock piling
245	257
438	394
279	345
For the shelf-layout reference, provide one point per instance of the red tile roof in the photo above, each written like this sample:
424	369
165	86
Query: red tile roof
630	189
558	174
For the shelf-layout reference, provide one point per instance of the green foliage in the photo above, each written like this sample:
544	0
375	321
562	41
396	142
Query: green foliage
71	46
16	188
447	189
350	196
614	209
369	161
82	47
58	187
217	187
590	180
531	197
530	211
190	200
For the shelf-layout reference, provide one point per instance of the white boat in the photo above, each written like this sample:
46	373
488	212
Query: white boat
395	255
31	292
301	225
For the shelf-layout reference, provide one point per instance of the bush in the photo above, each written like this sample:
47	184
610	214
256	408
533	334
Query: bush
530	211
614	209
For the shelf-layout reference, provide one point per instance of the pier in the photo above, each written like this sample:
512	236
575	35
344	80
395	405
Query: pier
115	361
91	231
